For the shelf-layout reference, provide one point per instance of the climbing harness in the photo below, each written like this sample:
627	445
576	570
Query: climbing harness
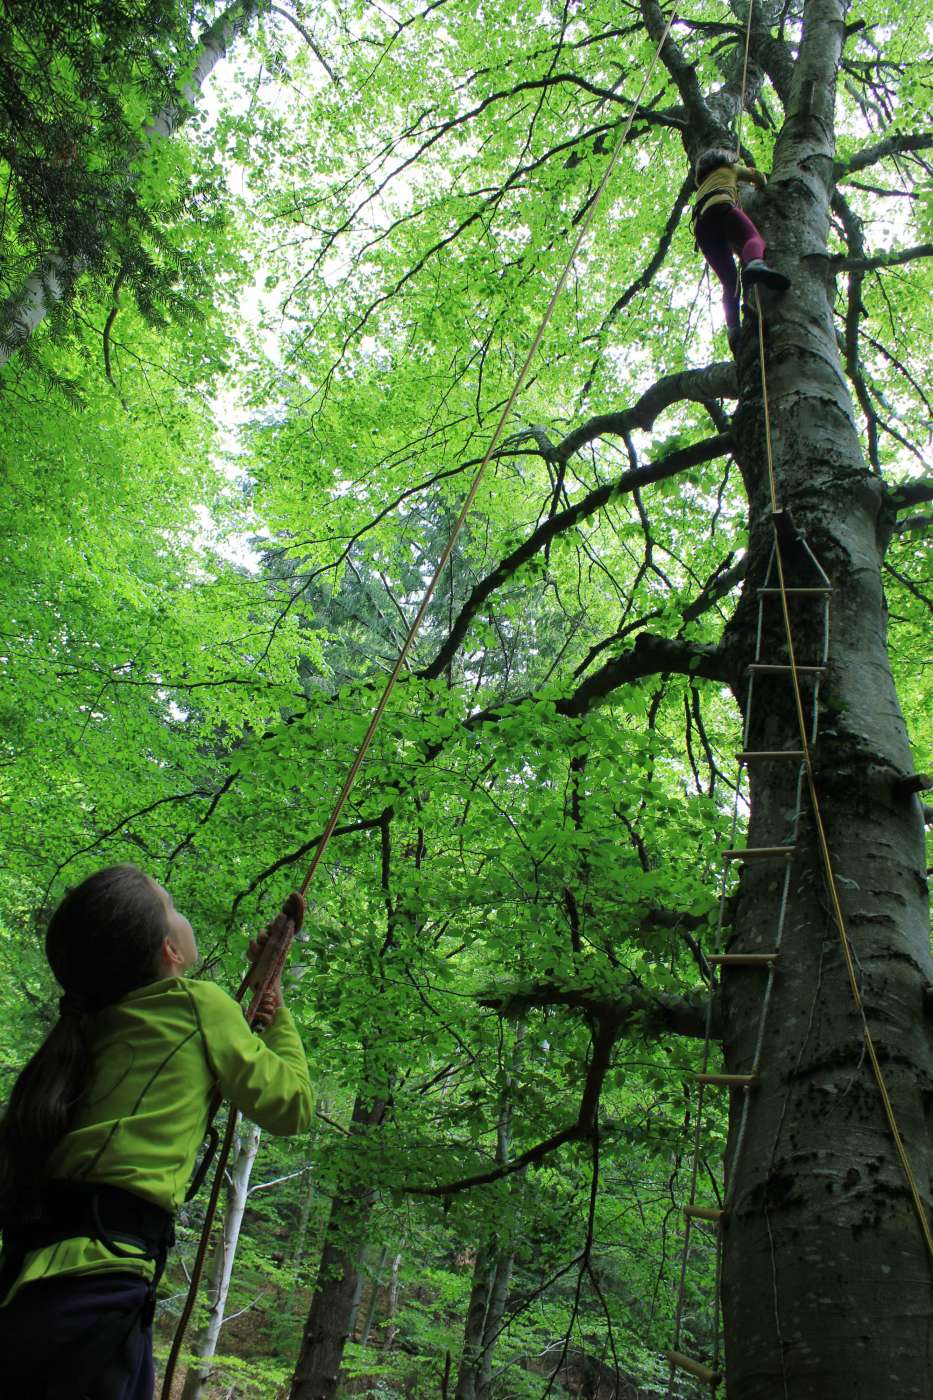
282	929
774	588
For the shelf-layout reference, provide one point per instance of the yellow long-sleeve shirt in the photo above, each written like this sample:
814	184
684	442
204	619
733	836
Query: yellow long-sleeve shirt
158	1055
721	186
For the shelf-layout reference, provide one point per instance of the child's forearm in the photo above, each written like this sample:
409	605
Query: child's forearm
751	176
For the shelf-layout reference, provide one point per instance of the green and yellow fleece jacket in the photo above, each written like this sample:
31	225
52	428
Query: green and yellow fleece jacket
158	1055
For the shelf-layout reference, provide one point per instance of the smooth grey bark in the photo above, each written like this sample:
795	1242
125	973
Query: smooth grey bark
25	311
218	1287
498	1297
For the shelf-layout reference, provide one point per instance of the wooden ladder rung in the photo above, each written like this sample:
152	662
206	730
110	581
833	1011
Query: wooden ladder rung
694	1368
760	853
797	754
794	592
742	959
706	1213
775	668
728	1081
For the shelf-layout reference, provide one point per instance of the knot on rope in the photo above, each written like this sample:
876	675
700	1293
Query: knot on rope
294	909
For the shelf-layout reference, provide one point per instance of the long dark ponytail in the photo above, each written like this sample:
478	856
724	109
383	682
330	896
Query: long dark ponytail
102	941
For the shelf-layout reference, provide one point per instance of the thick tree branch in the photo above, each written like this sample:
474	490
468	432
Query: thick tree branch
671	465
774	55
806	145
657	1013
914	524
891	146
912	493
716	381
852	225
866	264
703	128
650	656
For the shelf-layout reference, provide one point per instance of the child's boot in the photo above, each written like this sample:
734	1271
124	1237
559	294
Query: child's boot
758	271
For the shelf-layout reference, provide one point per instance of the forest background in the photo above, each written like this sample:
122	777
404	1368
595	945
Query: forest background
256	331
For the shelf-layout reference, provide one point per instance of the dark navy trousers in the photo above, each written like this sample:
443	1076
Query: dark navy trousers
79	1338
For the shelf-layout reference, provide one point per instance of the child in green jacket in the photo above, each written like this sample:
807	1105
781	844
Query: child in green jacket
102	1132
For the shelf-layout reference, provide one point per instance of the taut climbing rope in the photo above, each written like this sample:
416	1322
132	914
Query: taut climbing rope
283	927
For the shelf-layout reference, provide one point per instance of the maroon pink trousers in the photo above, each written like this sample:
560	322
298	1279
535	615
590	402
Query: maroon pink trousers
721	232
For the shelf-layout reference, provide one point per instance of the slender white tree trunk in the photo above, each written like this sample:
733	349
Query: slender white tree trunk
395	1288
222	1262
373	1297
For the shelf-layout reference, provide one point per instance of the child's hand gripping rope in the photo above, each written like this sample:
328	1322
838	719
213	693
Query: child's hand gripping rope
267	954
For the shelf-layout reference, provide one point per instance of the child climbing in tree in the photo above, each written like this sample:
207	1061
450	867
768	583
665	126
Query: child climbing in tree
722	229
102	1130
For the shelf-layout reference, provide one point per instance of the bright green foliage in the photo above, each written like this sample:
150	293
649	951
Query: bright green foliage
404	228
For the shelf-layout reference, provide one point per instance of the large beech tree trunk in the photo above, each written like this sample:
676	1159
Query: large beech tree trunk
827	1281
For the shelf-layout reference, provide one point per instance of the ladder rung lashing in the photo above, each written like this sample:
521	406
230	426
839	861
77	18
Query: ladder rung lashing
694	1368
782	668
795	592
760	853
742	959
728	1081
797	754
706	1213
